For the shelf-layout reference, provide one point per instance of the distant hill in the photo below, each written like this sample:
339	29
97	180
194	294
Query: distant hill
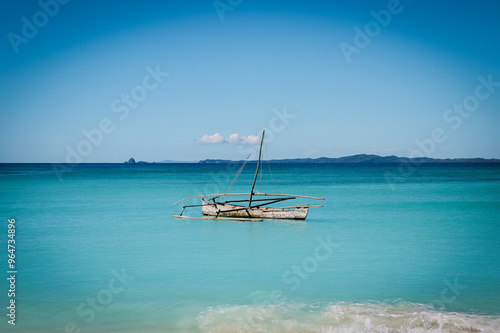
370	159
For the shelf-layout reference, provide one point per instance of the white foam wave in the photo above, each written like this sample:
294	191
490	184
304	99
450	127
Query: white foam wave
342	317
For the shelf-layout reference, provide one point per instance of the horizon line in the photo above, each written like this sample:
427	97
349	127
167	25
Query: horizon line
254	160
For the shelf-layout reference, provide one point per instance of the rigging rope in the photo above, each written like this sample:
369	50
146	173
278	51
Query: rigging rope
239	172
272	178
260	181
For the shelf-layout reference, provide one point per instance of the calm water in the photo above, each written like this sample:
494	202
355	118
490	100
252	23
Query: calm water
98	250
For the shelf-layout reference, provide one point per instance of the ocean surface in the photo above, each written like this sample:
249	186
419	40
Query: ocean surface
392	250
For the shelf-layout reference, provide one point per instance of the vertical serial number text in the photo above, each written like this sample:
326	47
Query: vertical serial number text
11	272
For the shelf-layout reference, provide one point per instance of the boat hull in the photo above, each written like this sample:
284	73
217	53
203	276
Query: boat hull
227	210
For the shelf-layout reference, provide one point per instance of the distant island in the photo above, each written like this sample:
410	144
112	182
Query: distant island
353	159
371	159
132	161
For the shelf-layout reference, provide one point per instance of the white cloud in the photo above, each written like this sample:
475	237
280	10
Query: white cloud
233	138
216	138
251	139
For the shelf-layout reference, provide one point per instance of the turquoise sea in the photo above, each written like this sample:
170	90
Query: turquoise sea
98	251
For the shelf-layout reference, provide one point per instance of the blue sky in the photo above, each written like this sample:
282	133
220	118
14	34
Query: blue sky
278	65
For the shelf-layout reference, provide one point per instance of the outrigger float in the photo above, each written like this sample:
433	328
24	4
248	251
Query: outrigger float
256	210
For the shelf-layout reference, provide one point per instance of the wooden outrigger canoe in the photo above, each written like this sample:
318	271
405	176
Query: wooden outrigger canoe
256	209
228	210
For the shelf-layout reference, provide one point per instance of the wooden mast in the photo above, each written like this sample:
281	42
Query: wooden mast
256	171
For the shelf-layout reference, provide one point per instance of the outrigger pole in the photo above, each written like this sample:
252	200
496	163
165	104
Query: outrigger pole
257	170
257	193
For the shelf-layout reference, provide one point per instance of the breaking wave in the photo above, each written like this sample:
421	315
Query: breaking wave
342	317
